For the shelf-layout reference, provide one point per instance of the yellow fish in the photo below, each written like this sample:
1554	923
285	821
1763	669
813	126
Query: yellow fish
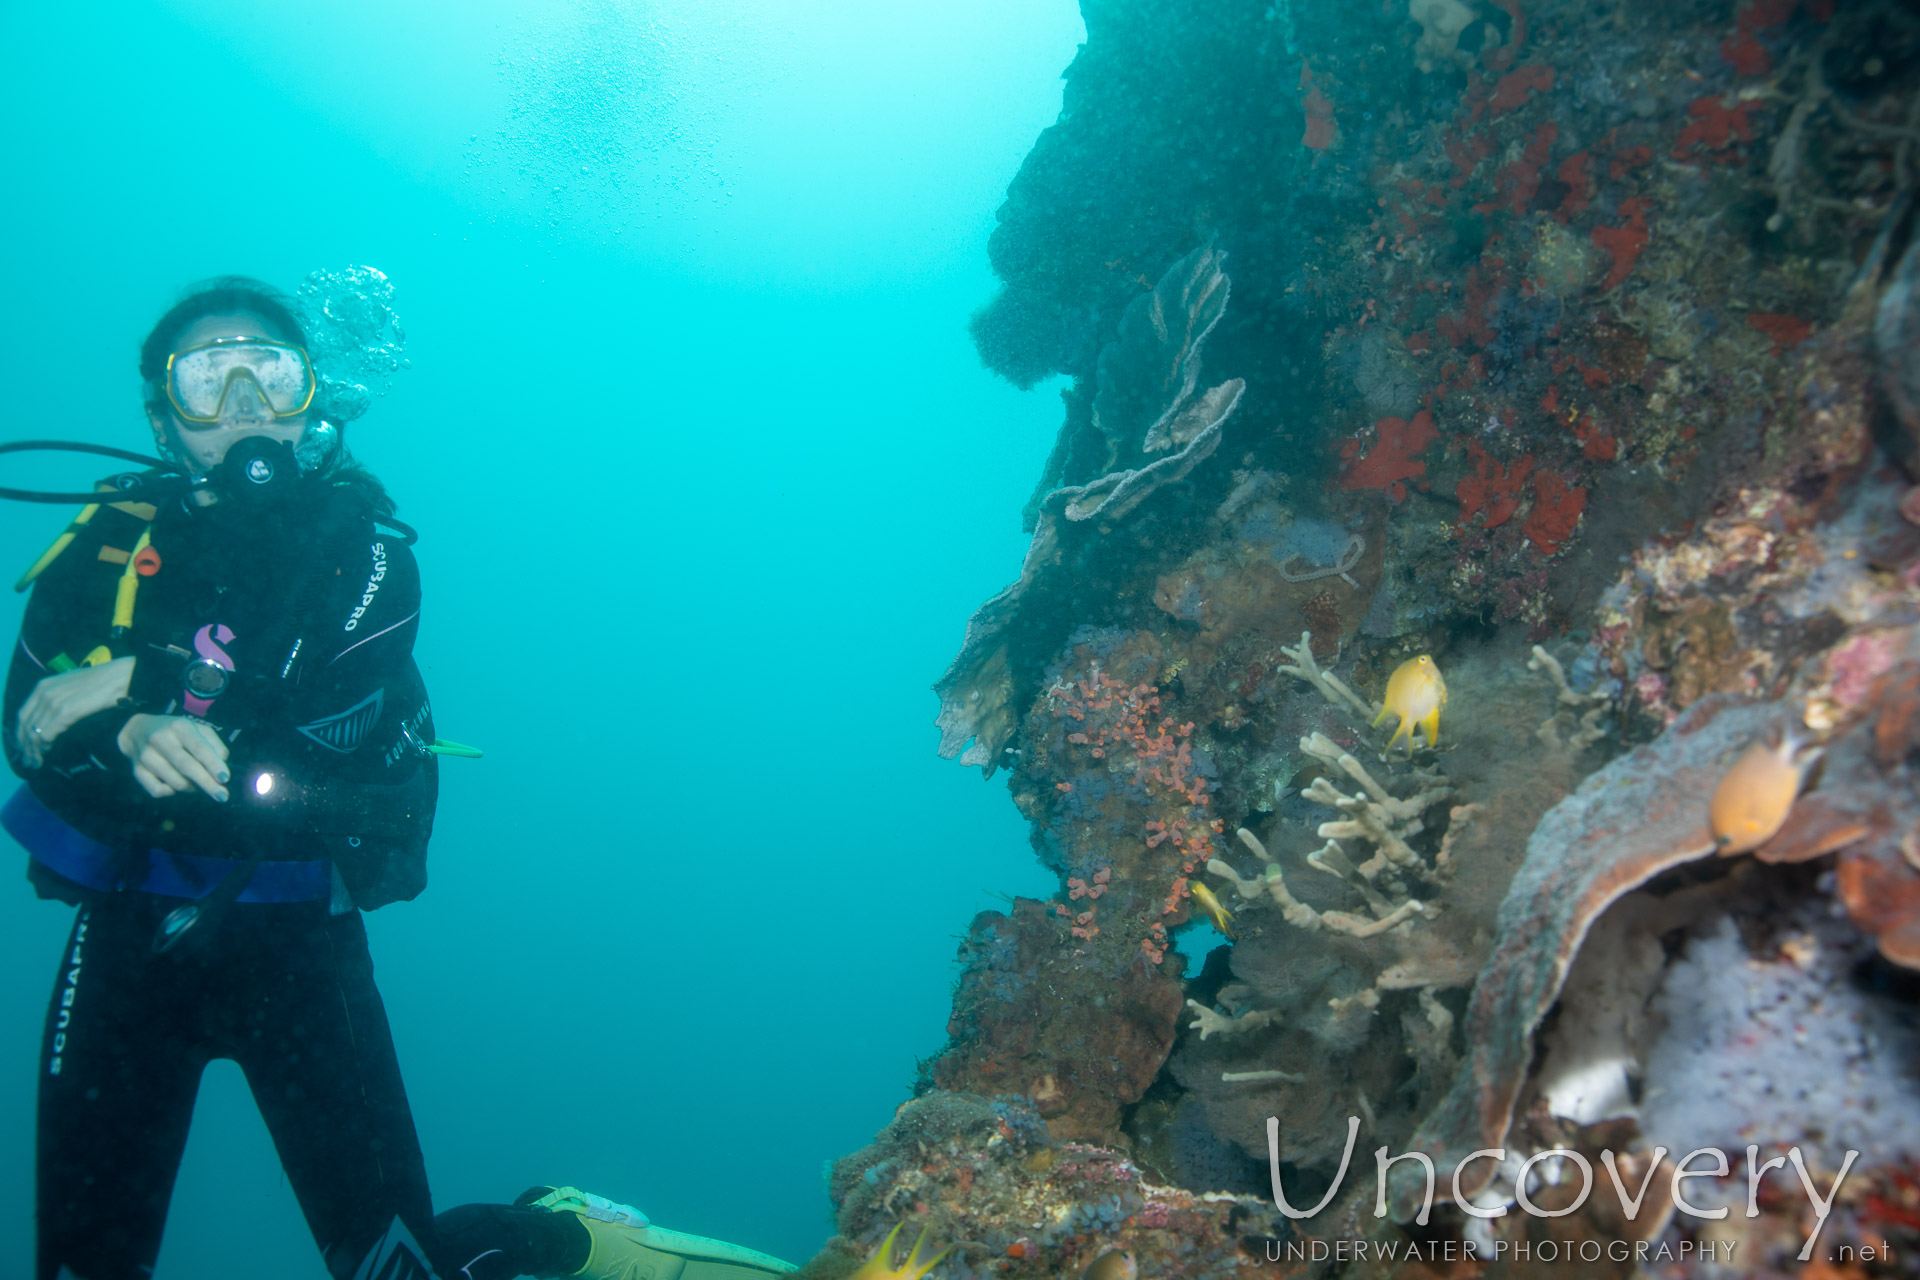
1216	911
880	1265
1415	693
1752	802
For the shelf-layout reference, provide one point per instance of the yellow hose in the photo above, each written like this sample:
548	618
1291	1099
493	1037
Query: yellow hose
60	544
129	585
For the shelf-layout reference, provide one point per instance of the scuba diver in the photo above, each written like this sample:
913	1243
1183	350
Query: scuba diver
229	754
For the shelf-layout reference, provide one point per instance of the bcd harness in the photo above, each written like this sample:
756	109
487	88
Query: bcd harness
140	562
339	517
133	521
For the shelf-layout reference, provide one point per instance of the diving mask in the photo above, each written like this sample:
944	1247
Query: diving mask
202	379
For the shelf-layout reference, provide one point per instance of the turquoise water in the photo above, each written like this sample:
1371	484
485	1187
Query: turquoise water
708	478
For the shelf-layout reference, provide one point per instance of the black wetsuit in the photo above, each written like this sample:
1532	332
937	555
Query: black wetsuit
312	609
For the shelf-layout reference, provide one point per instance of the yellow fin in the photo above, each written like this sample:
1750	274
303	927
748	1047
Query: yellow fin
1215	909
913	1268
880	1265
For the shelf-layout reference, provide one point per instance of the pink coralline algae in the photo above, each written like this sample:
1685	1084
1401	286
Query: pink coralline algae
1392	459
1556	510
1321	132
1716	125
1512	90
1743	50
1786	331
1493	489
1857	663
1624	243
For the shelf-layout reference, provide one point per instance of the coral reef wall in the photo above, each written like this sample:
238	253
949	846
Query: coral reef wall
1551	367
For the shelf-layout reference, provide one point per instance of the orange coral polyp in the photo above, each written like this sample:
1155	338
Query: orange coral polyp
1152	749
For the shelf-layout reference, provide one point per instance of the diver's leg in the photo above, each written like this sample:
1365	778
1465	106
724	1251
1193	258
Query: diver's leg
314	1044
117	1081
501	1241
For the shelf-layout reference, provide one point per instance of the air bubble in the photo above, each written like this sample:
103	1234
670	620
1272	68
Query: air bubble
354	336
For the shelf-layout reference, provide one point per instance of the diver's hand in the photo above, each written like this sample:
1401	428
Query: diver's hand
172	754
58	702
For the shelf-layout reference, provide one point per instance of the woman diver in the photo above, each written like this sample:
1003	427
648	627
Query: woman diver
228	754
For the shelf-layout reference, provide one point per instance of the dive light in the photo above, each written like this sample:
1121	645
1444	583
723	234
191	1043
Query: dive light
188	922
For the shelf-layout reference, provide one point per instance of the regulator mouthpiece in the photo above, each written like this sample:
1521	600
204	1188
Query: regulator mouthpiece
258	469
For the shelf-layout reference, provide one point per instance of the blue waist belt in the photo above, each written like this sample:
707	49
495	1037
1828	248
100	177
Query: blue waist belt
87	862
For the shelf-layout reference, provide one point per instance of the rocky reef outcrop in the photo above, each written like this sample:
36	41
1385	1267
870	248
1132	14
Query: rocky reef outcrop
1577	347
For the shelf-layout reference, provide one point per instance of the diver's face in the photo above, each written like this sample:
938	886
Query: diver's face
245	413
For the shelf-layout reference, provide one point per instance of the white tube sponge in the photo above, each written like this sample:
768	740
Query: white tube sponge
1296	912
1542	660
1361	927
1211	1022
1331	687
1364	822
1246	887
1587	730
1333	860
1321	747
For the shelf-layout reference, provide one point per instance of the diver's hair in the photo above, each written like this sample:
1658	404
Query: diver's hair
226	294
345	470
218	296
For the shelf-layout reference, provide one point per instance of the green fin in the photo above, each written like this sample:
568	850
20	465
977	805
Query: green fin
712	1258
442	747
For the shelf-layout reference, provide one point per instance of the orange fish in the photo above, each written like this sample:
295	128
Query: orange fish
1753	800
1114	1264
